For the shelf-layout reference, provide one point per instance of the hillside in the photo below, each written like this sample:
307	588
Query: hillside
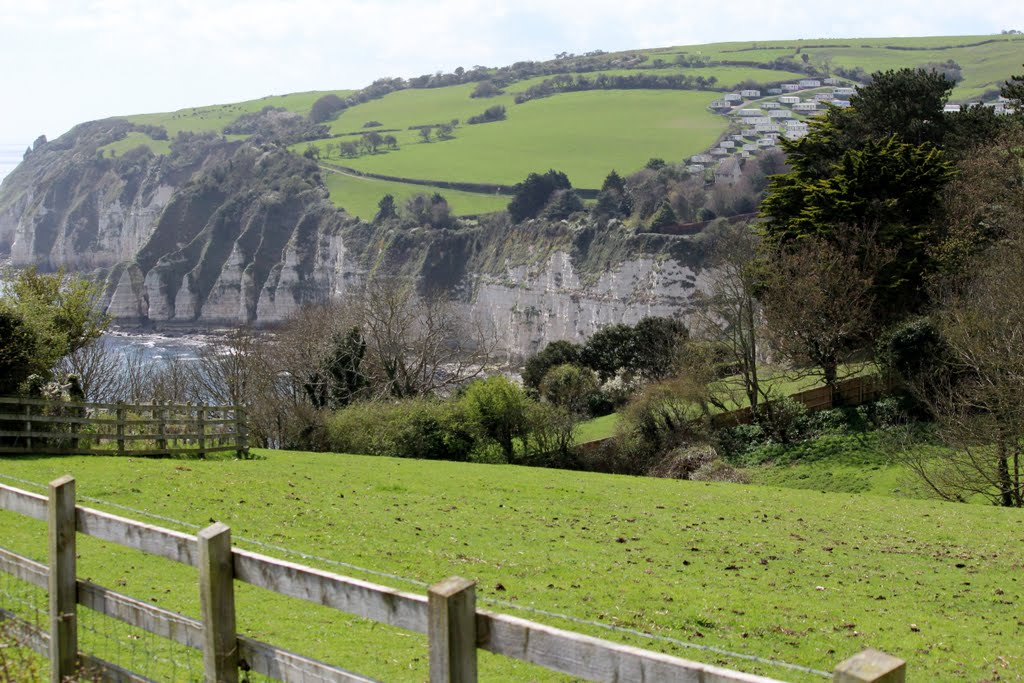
798	576
242	213
586	134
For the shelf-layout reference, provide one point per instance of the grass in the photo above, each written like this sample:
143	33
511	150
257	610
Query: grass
790	574
585	135
215	117
359	196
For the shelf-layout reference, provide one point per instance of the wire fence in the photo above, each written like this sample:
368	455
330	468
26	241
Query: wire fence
188	662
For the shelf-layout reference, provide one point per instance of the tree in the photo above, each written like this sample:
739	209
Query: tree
561	205
907	103
818	299
415	345
45	317
731	313
1013	90
371	141
570	387
385	209
612	200
978	396
664	217
658	342
531	195
391	141
610	349
445	131
558	352
325	108
889	190
499	408
431	210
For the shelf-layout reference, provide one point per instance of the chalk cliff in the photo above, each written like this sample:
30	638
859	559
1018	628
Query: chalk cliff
219	232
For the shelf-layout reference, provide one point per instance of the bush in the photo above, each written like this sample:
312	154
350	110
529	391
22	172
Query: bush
735	442
570	387
491	114
782	420
555	353
414	428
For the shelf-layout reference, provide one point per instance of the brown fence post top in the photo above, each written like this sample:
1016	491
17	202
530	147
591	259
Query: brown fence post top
871	666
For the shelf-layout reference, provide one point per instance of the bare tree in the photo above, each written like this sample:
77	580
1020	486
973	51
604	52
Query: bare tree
818	300
977	393
98	369
731	313
417	344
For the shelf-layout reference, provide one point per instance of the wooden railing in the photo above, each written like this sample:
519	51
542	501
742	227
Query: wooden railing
455	628
44	427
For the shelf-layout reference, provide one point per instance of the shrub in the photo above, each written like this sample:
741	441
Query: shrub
491	114
555	353
414	428
782	419
570	387
735	442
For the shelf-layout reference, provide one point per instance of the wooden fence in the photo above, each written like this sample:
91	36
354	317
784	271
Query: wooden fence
851	392
44	427
455	628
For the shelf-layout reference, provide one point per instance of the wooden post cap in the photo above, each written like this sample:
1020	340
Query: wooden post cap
871	666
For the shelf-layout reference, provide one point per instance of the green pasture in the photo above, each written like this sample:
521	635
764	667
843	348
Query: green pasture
795	575
584	134
360	196
215	117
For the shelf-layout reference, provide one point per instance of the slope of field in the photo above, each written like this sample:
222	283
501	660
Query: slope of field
215	117
360	196
794	575
584	134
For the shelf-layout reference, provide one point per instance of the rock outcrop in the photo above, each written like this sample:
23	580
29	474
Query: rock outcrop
222	232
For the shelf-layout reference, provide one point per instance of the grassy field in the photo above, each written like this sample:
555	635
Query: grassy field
215	117
359	196
794	575
584	134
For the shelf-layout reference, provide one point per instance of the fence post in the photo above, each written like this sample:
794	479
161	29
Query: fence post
451	631
120	413
161	427
201	423
241	433
871	666
28	426
63	583
217	604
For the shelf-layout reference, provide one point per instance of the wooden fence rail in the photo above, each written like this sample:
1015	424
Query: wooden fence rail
36	426
455	628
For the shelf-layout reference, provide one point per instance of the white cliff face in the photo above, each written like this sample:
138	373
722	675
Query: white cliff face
529	308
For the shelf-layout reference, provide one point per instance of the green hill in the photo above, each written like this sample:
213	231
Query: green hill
793	575
588	133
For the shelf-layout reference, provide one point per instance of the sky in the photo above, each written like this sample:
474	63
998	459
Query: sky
68	61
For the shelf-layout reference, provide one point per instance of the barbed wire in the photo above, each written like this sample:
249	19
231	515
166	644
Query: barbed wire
491	601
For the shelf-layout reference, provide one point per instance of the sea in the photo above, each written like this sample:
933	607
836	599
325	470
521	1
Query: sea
10	156
156	348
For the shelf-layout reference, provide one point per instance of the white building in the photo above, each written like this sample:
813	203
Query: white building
736	138
951	108
810	83
774	91
790	87
846	92
822	97
733	97
750	147
805	106
766	142
754	120
780	114
789	99
727	144
719	152
695	168
750	112
701	159
750	93
831	81
770	105
720	104
764	128
842	104
750	133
